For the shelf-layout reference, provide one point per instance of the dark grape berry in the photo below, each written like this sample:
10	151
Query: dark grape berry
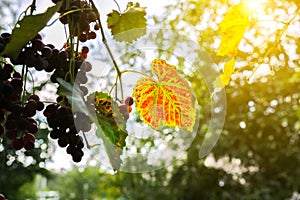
40	106
8	90
34	97
63	141
29	146
63	55
12	134
83	37
31	121
2	197
59	99
84	90
31	127
2	46
29	111
81	77
17	144
2	116
37	37
86	66
31	104
37	44
129	101
17	75
79	143
10	124
92	35
21	123
85	49
91	16
17	83
8	68
71	149
55	133
16	109
29	137
5	35
51	46
1	130
50	110
56	1
96	27
77	155
53	122
28	140
47	52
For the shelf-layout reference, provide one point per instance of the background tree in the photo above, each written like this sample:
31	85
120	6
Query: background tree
20	168
88	183
261	128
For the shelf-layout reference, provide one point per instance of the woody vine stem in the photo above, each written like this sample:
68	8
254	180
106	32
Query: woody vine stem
104	40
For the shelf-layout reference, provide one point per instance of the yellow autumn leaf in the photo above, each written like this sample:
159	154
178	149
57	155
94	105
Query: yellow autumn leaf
233	28
166	101
224	78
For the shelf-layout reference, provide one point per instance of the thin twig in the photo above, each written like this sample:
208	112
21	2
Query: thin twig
117	5
32	79
134	71
111	89
25	81
86	141
276	42
32	7
271	20
108	49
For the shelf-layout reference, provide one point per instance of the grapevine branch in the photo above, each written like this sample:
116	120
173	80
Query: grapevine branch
127	71
108	50
286	25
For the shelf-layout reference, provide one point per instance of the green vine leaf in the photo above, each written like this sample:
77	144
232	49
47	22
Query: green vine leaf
167	101
113	125
26	29
132	19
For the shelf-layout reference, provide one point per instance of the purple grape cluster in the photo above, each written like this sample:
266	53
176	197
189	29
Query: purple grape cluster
16	121
16	116
125	108
83	16
60	119
38	55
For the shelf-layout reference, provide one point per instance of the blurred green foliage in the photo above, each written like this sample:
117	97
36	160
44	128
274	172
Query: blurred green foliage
9	11
88	183
19	168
